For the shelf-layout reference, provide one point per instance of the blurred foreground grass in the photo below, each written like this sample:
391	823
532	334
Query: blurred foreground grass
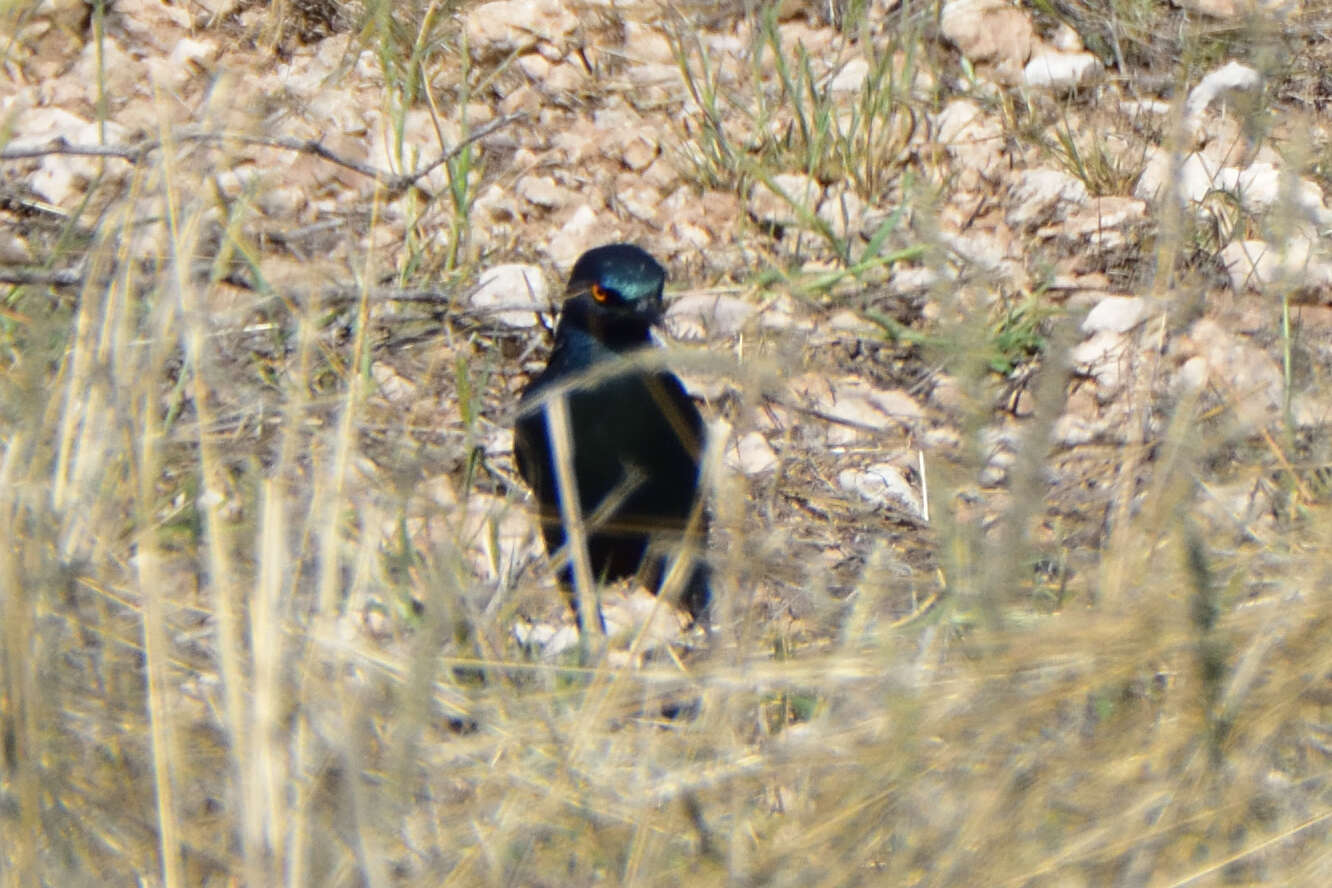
197	514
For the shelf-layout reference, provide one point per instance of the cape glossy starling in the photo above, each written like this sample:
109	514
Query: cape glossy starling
636	435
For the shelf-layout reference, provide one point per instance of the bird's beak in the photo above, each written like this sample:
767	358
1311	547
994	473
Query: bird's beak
573	291
653	313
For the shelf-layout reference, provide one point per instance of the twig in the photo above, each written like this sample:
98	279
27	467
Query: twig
137	153
571	513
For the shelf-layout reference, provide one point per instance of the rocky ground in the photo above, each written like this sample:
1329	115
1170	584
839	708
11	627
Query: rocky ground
994	309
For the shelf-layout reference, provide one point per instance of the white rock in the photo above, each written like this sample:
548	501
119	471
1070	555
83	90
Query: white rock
856	407
776	207
189	51
580	233
499	442
641	203
639	153
1220	9
915	279
662	175
543	192
1073	431
653	74
1229	78
218	9
526	99
578	143
546	640
882	484
60	181
1136	108
1309	199
1103	357
498	536
565	78
1115	314
1248	377
981	250
708	314
988	31
1262	186
1188	179
843	211
725	44
638	612
851	77
1043	195
995	472
1191	376
368	66
337	111
395	387
613	129
1195	179
513	295
1001	438
554	53
37	127
1067	39
14	249
1257	186
1154	176
751	455
943	439
407	144
1311	410
533	65
102	65
495	206
972	137
691	234
188	58
1060	71
150	21
503	26
643	43
1102	221
1229	9
781	312
283	201
1258	265
852	324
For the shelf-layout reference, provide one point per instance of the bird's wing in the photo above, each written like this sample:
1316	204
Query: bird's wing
527	430
679	410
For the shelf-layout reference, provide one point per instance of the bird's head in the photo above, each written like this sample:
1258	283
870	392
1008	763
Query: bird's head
615	293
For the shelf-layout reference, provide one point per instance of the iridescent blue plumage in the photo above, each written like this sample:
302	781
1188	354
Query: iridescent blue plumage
624	269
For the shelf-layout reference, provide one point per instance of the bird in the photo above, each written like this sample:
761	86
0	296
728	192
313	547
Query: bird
633	429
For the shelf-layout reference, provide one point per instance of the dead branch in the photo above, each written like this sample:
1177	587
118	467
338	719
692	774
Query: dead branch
137	153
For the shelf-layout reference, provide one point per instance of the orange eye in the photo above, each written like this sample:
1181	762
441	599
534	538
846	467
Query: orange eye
600	293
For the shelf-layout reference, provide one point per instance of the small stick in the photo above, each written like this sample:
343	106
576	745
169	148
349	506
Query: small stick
136	153
571	512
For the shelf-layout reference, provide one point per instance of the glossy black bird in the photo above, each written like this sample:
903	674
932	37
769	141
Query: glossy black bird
633	430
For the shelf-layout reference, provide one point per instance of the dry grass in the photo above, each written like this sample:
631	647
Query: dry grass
218	522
